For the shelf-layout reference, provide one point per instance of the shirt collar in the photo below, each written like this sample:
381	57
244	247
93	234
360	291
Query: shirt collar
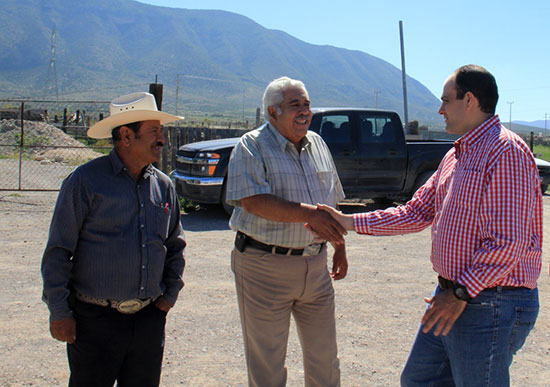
118	166
281	140
472	137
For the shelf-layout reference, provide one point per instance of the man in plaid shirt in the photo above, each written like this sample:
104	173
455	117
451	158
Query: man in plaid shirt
484	204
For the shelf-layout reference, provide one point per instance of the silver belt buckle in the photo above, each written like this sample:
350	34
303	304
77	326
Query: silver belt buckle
130	306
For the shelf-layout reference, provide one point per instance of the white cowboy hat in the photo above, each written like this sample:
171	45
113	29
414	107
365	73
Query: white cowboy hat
128	109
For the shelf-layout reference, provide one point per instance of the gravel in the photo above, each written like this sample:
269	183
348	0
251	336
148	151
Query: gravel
379	306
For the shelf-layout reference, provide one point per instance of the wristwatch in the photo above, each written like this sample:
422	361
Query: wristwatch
461	292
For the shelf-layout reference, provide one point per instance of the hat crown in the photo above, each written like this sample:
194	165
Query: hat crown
134	101
127	109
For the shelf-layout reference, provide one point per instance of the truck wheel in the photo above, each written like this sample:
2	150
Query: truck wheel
227	207
543	187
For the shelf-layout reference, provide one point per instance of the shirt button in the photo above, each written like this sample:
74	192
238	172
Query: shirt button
141	205
143	245
143	267
142	288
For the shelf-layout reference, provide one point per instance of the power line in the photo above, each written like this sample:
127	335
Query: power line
510	103
52	65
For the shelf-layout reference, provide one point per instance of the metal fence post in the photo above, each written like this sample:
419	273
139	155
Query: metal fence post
64	127
21	142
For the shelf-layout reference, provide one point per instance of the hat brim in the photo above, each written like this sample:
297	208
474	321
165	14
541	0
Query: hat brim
103	128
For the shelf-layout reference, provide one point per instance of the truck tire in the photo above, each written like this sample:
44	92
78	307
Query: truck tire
227	207
421	180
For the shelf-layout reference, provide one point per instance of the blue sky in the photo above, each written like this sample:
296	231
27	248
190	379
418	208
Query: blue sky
509	38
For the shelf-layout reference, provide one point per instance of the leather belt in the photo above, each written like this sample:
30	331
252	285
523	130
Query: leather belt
448	284
127	306
313	249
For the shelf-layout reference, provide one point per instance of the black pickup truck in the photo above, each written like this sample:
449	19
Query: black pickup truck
373	159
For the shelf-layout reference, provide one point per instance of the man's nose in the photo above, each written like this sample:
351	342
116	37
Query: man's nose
160	136
304	108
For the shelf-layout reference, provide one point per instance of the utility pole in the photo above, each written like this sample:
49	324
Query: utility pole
545	118
177	91
403	74
510	122
376	93
156	89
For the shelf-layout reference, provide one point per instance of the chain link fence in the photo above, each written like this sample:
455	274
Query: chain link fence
41	142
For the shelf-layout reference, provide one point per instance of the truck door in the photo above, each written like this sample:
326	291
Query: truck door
382	154
336	130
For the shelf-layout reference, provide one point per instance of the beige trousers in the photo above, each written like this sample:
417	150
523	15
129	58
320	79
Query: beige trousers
269	289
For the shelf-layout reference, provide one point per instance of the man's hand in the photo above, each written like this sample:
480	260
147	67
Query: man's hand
339	263
163	304
326	227
345	220
444	310
281	210
64	330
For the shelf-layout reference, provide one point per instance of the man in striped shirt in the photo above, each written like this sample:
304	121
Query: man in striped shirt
277	173
114	261
484	204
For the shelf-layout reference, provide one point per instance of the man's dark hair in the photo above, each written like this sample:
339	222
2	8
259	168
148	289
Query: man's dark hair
116	131
480	83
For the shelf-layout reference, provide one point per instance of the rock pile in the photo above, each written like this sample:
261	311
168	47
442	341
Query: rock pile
43	142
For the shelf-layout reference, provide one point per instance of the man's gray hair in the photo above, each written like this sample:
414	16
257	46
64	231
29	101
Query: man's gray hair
273	94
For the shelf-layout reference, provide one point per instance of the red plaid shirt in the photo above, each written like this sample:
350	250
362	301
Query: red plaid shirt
484	204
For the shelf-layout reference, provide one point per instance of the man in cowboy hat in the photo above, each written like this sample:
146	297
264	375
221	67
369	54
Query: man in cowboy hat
114	261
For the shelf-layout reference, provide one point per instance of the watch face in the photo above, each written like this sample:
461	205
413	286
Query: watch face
459	292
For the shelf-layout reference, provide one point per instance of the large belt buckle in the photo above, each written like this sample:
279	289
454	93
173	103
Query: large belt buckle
130	306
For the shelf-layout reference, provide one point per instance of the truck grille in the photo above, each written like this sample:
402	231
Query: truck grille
184	161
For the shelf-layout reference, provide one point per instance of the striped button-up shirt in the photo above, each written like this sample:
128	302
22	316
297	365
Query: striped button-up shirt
112	237
265	162
484	204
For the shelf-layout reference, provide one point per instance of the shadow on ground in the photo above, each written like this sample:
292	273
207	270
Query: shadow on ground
206	218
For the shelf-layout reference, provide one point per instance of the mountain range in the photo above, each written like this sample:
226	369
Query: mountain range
541	124
214	61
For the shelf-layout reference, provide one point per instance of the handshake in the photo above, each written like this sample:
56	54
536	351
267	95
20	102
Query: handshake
329	224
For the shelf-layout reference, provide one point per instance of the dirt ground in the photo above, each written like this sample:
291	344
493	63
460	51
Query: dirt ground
379	306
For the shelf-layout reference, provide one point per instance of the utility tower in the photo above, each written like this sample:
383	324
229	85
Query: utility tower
51	70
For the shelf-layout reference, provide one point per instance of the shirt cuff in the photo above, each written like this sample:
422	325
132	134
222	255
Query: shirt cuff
471	283
360	223
60	312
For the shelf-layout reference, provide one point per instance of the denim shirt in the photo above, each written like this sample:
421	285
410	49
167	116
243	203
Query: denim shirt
112	237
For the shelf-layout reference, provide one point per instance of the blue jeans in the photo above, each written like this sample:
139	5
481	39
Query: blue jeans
479	348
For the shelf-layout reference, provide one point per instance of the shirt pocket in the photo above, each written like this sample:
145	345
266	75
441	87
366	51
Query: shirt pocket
467	188
326	178
159	220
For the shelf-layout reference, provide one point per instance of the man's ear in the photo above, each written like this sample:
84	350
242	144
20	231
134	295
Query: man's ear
470	100
125	135
272	112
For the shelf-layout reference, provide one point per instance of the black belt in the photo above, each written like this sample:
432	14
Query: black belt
242	240
448	284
